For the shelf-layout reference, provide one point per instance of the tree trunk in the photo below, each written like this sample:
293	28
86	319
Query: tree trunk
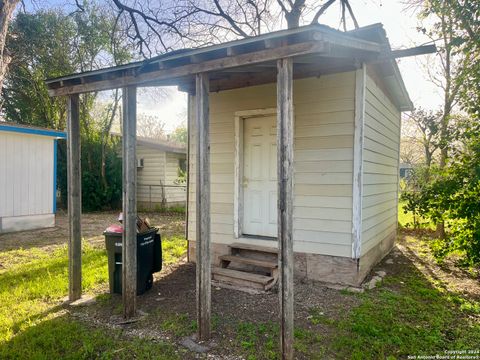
293	16
447	105
105	134
6	10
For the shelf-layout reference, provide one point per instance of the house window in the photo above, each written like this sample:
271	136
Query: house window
140	163
182	164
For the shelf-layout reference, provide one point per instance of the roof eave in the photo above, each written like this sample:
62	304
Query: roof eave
406	104
33	131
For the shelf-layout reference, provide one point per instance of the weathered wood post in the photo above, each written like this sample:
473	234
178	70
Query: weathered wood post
74	175
190	119
129	241
285	202
202	247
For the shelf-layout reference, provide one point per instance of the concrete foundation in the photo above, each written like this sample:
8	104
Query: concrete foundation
325	268
27	222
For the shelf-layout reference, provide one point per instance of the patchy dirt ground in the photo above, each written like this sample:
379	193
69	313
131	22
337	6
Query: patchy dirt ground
245	325
93	225
170	306
448	274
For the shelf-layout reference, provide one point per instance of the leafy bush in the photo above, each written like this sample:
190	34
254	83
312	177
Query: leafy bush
96	193
452	195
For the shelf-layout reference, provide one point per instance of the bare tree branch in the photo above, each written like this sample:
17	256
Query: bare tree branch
352	15
322	10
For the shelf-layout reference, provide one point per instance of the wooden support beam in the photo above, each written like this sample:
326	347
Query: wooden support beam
129	241
190	119
415	51
203	206
191	69
358	140
285	130
74	175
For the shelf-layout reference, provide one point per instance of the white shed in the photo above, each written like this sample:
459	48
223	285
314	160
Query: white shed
28	166
337	99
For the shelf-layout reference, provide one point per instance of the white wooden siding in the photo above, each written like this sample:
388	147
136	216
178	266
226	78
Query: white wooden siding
174	194
26	175
159	168
324	110
380	166
152	173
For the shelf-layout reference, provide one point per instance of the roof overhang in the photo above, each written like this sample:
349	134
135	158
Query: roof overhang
316	50
31	130
161	145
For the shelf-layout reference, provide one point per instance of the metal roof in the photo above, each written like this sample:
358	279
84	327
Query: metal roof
31	130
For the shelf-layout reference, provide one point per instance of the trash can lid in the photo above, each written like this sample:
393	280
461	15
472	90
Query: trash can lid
114	229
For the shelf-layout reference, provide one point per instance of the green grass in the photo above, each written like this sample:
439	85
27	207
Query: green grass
65	338
173	249
30	291
261	341
408	220
179	325
180	210
33	321
409	315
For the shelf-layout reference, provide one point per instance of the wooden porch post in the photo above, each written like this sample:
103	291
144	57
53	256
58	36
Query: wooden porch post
190	111
129	243
74	175
202	247
285	202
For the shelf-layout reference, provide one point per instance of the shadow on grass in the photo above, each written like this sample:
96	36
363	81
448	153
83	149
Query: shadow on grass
31	292
409	314
66	338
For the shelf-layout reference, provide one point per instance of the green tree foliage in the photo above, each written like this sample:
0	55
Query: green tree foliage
179	135
465	15
40	48
451	194
49	44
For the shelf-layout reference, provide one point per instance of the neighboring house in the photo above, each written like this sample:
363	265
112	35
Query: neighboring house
160	164
346	156
28	165
405	170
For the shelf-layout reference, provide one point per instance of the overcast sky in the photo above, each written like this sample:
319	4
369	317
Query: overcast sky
400	26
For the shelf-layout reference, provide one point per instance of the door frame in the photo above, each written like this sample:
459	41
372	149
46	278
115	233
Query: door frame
238	161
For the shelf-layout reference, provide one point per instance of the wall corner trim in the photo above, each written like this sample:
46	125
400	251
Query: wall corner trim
358	144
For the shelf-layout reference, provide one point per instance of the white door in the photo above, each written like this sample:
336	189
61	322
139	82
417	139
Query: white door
260	176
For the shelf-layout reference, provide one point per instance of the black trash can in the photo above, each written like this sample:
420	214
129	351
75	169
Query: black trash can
149	258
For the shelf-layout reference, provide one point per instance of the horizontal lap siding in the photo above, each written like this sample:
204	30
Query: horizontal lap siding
380	167
26	174
174	194
152	173
324	110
